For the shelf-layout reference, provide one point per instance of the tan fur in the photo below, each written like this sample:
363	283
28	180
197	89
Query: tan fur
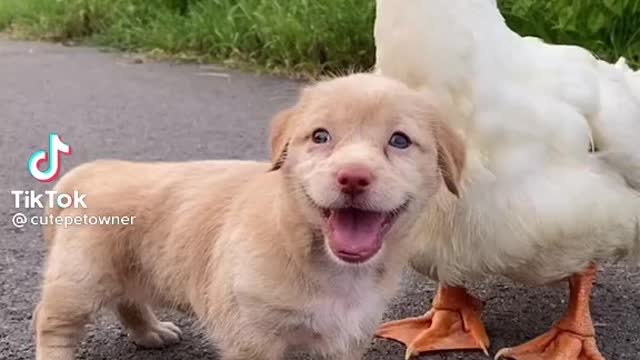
238	243
279	137
451	157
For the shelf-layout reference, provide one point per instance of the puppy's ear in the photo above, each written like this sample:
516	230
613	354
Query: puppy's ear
451	155
281	127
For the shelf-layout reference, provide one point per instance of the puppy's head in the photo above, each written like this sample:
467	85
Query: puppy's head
363	154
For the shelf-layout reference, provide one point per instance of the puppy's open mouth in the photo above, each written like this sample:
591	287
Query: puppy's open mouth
355	235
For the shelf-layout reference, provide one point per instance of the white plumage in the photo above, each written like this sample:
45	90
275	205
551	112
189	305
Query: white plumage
632	78
540	203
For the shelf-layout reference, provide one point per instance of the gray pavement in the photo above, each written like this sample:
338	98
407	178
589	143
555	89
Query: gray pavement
108	106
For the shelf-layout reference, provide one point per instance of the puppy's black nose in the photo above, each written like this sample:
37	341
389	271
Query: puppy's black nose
354	179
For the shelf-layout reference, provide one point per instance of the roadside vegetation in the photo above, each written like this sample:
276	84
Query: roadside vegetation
301	37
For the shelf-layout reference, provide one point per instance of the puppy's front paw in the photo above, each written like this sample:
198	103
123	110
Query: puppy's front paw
159	335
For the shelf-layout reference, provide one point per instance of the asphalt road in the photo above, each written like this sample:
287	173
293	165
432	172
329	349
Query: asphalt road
108	106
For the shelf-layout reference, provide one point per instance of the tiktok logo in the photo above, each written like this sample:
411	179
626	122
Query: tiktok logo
56	147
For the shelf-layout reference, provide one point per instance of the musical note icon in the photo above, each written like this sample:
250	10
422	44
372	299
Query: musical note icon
56	147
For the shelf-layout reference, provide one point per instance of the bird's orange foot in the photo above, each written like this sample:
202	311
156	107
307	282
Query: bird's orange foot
452	324
573	337
555	344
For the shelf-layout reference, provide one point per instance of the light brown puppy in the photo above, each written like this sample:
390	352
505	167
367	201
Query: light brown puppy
298	254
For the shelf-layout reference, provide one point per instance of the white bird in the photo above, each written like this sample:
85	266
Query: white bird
633	78
552	185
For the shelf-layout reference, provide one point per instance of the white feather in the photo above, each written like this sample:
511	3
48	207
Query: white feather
538	205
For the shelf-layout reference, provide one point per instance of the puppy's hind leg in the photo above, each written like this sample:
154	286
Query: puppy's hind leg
78	280
59	324
144	328
69	300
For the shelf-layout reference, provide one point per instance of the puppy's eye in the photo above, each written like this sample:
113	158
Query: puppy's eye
321	136
399	140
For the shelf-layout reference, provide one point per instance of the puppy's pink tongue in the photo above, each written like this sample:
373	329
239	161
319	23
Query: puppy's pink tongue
355	235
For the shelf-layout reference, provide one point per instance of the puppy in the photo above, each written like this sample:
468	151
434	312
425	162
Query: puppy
301	253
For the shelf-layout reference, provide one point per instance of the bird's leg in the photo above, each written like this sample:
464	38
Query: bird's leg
453	323
571	338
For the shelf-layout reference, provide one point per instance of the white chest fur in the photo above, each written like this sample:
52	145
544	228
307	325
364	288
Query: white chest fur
339	319
342	314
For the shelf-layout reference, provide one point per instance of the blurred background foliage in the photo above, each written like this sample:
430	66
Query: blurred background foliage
295	36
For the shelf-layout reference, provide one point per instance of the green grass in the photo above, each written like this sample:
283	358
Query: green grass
609	28
294	36
9	9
